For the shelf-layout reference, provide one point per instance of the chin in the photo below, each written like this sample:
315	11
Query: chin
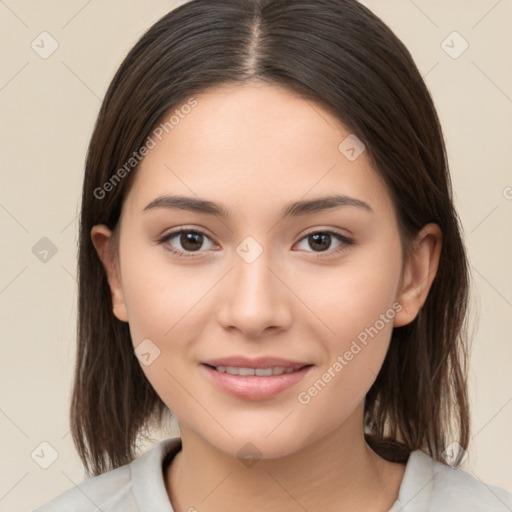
252	444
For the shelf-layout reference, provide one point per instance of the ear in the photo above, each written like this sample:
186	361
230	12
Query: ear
101	237
419	273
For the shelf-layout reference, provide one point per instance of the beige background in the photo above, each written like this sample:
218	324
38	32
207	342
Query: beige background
48	107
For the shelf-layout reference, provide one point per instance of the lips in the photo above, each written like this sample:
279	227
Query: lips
255	379
260	372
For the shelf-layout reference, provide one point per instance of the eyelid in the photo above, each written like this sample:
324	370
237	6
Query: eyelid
183	229
345	240
325	230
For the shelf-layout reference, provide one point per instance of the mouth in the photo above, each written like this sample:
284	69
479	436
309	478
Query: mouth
260	372
255	381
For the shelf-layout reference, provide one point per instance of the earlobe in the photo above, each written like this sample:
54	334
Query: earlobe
419	273
101	237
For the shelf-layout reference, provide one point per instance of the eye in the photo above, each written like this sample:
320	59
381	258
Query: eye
190	241
322	240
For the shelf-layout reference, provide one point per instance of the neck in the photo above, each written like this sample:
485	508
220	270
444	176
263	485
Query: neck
338	472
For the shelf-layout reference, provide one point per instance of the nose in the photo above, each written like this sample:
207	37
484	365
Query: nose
255	299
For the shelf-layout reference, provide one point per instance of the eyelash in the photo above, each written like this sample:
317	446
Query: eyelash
342	238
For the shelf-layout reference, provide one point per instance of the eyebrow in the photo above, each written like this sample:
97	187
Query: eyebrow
294	209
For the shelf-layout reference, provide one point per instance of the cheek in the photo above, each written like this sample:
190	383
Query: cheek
353	296
161	296
164	308
357	304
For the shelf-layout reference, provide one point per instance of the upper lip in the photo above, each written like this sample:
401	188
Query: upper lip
260	362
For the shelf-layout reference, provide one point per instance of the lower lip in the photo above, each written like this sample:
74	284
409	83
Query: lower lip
253	387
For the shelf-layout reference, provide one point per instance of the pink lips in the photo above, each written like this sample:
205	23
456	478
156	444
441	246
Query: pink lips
254	387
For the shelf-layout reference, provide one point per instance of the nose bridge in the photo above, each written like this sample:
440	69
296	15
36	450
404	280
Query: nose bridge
253	277
256	299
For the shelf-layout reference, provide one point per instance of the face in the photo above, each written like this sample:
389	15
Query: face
318	285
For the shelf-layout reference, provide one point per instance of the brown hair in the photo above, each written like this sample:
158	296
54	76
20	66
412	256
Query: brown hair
340	55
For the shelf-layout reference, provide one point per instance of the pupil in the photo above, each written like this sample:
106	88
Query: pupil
324	236
187	241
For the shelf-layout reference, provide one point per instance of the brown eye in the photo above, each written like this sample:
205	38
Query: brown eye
321	241
184	242
190	240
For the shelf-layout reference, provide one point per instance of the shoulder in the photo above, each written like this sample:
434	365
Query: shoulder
100	492
429	485
121	489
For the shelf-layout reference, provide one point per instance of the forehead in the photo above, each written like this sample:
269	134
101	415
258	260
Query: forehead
244	144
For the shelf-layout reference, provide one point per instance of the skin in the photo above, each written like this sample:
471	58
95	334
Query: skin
254	148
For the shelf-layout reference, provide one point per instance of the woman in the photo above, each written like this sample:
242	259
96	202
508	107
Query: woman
269	249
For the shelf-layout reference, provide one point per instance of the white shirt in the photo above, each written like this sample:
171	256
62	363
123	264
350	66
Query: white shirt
427	486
